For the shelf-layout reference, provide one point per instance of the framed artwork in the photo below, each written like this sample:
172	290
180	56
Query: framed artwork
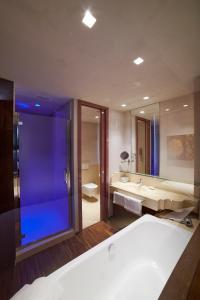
180	147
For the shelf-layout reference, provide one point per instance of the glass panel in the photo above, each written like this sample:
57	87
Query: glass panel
44	157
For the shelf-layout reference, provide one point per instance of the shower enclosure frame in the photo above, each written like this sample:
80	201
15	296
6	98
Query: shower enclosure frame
104	183
51	240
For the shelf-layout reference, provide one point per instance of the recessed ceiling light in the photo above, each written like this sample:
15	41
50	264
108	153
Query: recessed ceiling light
138	61
167	109
142	112
88	19
146	97
37	105
185	105
96	117
123	105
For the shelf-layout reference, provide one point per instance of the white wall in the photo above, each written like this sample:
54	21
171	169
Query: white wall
119	138
178	121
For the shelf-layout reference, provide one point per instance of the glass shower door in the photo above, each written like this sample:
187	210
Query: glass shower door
44	168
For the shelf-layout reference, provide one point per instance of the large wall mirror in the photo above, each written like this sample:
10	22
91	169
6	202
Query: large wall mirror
162	139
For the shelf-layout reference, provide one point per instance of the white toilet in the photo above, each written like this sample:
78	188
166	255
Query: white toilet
90	189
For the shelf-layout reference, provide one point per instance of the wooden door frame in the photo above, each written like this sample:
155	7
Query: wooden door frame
104	182
147	142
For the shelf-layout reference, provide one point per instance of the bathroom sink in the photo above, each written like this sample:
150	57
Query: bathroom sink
139	186
133	184
147	188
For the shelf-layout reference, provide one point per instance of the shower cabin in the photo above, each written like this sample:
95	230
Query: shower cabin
42	152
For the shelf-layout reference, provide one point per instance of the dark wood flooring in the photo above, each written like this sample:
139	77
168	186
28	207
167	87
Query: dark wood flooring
47	261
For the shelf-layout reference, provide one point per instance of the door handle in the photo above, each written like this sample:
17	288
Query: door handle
65	176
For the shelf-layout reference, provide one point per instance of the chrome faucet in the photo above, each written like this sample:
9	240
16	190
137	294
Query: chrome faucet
187	221
140	181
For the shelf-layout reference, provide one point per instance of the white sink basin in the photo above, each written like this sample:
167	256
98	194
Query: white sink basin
133	184
139	186
147	188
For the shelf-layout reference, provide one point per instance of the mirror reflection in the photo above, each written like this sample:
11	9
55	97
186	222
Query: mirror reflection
146	145
162	139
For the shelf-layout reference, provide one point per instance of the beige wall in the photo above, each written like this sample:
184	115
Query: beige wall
91	174
178	121
90	152
90	143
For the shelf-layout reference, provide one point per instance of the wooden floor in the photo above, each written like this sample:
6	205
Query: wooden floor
49	260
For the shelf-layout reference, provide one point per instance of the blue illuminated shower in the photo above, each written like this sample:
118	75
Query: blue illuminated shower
44	155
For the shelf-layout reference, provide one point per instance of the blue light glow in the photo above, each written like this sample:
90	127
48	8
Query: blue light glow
43	157
44	219
22	105
37	105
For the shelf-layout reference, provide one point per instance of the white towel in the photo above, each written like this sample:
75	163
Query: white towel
133	205
118	199
41	289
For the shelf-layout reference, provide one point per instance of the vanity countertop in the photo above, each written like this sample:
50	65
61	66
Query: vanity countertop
155	198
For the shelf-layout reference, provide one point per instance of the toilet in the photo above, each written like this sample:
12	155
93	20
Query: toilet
90	189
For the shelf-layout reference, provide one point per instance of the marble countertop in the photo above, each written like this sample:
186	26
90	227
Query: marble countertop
165	199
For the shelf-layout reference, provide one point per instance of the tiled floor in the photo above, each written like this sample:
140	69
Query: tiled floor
90	211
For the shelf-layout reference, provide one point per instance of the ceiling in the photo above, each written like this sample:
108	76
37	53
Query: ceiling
47	50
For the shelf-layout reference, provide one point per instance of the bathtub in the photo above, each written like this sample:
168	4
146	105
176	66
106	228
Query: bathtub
135	263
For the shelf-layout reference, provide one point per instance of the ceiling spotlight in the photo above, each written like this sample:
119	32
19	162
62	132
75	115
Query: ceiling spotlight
185	105
146	97
167	109
123	105
142	112
96	117
138	61
88	19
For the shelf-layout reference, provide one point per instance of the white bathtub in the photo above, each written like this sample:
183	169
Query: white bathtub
135	263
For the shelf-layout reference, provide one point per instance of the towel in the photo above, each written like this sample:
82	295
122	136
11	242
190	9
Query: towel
118	199
41	289
133	205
